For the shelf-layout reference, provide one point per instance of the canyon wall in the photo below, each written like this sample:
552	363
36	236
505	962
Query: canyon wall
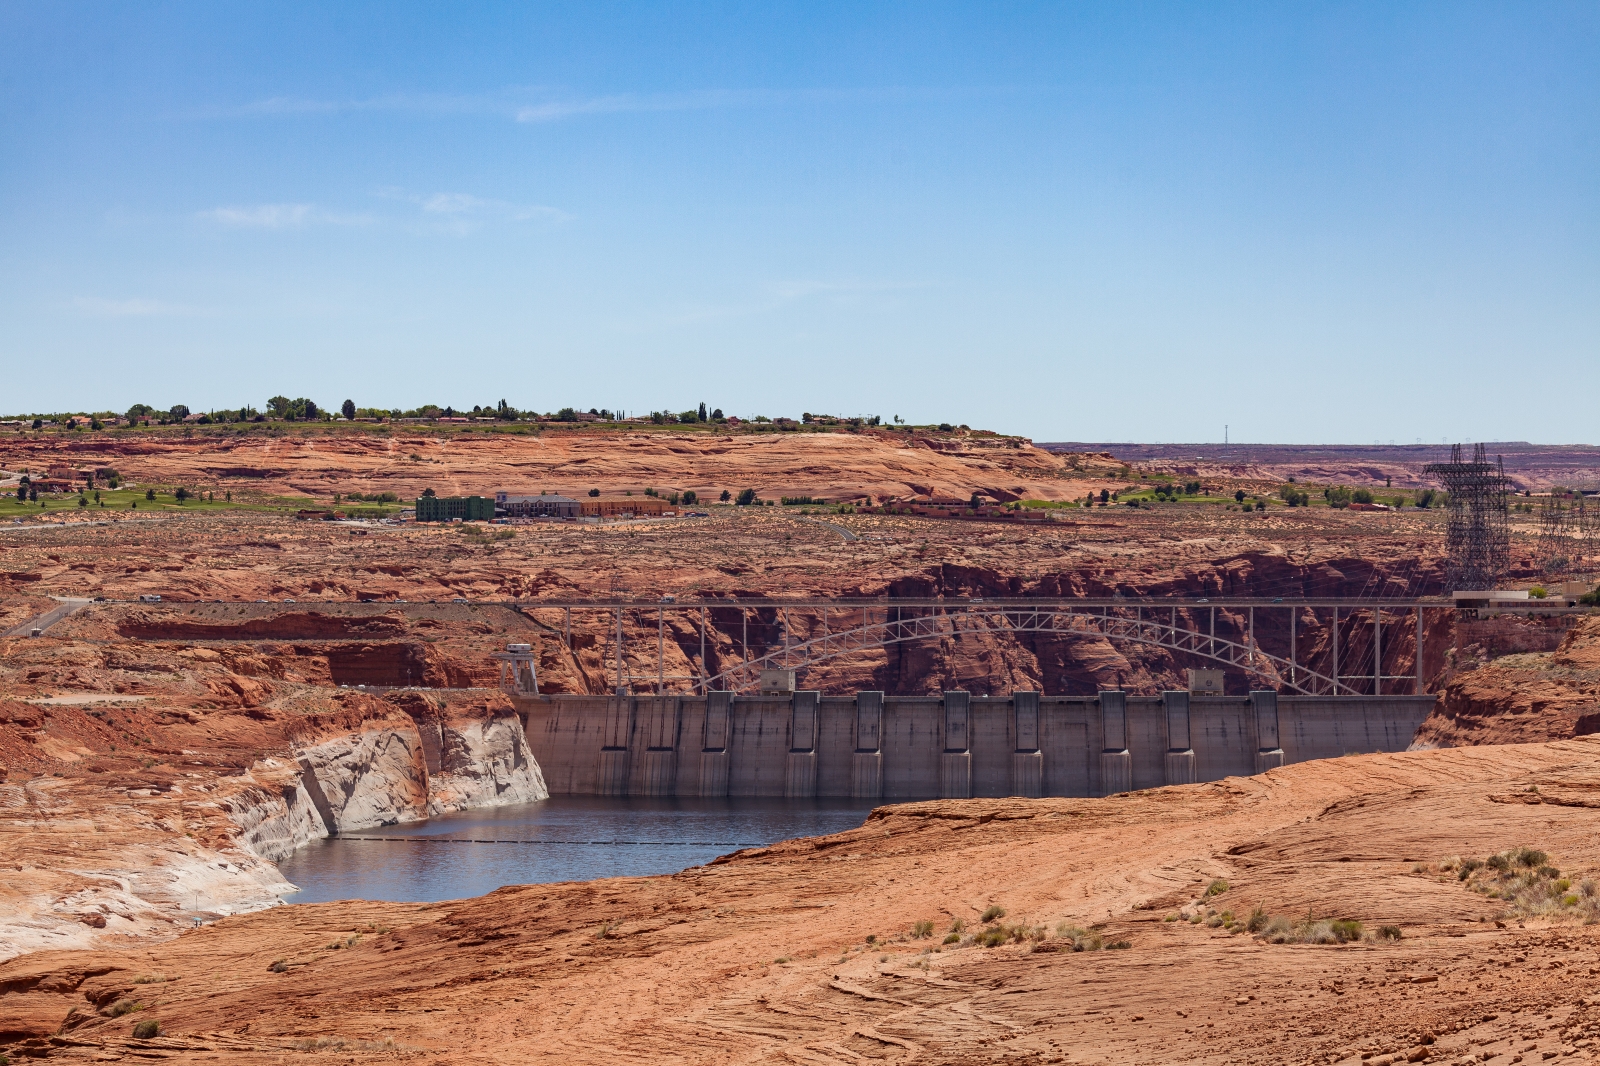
1522	697
426	759
110	848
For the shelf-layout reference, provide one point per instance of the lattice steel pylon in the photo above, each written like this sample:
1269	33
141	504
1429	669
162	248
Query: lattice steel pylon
1585	523
1555	540
1476	535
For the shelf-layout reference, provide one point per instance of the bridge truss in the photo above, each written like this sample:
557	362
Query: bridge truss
770	634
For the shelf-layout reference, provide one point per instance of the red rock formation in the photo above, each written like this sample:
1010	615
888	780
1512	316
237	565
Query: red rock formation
1520	698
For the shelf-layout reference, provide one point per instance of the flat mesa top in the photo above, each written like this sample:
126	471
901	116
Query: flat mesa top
1041	603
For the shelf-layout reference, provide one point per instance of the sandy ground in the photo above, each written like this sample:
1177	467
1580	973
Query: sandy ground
805	951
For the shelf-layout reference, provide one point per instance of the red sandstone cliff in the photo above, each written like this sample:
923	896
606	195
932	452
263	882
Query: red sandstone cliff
1521	697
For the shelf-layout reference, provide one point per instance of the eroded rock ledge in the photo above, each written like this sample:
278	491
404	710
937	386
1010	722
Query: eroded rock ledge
116	849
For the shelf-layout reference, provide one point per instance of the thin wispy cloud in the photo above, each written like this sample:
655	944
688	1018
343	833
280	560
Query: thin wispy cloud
448	212
781	295
130	308
280	216
544	105
633	103
462	212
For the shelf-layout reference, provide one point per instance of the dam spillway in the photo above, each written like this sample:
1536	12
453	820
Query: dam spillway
951	746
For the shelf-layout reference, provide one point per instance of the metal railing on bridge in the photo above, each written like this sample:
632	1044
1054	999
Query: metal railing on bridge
1328	646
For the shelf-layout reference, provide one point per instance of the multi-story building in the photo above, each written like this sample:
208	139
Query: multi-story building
544	505
446	508
616	506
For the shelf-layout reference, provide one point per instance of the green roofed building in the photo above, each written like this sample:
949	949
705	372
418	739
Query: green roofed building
445	508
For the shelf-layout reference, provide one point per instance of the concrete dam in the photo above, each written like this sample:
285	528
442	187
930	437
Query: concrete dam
953	746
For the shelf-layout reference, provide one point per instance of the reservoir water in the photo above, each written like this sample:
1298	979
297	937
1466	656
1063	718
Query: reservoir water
565	838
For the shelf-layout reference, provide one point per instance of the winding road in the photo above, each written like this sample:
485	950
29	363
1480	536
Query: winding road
44	621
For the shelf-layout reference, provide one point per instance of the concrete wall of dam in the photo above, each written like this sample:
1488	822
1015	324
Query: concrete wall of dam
870	746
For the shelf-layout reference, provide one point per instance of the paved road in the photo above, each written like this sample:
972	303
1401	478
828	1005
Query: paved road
48	619
843	532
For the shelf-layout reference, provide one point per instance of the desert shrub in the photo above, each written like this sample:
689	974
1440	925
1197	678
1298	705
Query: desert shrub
1388	932
1081	939
921	930
872	938
1464	870
781	959
279	966
150	979
124	1006
958	926
1258	920
1312	931
991	912
1217	887
952	938
148	1029
1532	886
1346	931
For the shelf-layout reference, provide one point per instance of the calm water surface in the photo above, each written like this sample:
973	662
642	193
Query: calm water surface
565	838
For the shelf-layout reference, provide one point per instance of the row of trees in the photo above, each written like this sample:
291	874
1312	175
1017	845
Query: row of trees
304	409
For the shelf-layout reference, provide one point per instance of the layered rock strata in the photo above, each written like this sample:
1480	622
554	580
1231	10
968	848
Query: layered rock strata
91	860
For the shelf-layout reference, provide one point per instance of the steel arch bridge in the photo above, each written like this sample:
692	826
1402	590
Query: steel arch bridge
1188	627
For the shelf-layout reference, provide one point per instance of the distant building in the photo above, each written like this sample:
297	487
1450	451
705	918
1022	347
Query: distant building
446	508
544	505
617	506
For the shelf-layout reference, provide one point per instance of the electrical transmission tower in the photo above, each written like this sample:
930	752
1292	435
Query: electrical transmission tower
1586	531
1476	535
1555	542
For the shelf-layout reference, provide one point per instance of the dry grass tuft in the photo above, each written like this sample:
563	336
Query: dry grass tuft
1310	930
1527	882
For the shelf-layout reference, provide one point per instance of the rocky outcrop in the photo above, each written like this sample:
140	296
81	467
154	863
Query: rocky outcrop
1519	698
428	757
294	625
191	821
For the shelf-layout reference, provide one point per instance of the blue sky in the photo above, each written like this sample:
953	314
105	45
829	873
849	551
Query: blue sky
1337	222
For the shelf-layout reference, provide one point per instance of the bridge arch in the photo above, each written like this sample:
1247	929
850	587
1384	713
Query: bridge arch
1175	625
1247	656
